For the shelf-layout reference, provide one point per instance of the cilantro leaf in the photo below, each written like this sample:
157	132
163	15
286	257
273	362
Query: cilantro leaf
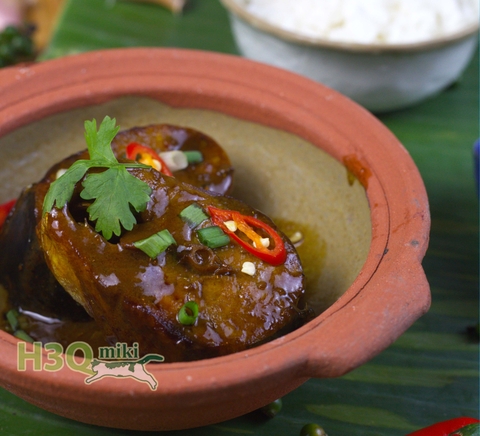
115	191
61	190
98	142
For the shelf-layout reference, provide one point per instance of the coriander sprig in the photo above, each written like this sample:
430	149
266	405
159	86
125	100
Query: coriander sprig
114	191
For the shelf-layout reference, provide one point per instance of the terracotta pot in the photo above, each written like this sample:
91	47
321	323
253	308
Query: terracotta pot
384	298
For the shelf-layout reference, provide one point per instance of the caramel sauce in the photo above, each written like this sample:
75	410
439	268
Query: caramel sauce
48	329
312	250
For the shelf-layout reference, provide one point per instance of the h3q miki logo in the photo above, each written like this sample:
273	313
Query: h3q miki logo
118	361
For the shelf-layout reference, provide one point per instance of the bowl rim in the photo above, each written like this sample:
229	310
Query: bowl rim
221	84
289	36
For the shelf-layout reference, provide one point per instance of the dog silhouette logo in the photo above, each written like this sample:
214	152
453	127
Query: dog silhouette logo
125	368
118	361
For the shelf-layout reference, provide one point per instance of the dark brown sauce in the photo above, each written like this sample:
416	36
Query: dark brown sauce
311	250
46	329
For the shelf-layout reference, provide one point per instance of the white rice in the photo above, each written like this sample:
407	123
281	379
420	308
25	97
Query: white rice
368	21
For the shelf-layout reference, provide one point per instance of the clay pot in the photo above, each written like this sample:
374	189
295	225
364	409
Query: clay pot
385	290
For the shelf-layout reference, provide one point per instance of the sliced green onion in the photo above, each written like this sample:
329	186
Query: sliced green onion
213	237
188	313
20	334
12	318
155	244
193	215
193	156
175	160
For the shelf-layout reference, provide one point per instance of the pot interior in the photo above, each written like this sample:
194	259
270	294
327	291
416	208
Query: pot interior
301	187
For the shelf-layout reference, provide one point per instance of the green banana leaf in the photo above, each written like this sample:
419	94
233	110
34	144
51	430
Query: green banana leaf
428	375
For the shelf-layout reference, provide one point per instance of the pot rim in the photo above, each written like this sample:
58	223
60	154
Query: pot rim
259	23
166	74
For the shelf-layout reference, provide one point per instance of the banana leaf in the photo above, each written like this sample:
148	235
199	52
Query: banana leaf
430	373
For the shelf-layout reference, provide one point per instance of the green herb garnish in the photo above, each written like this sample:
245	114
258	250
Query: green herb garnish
114	191
188	313
20	334
193	215
213	237
156	244
193	156
12	318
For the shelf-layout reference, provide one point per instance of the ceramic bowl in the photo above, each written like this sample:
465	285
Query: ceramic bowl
302	152
379	77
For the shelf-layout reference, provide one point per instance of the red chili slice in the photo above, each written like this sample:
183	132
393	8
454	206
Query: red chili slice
5	209
247	225
147	156
445	428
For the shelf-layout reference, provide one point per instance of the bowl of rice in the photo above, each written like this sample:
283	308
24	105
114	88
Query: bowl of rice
384	54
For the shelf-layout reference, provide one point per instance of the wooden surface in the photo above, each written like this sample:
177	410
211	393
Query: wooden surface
428	375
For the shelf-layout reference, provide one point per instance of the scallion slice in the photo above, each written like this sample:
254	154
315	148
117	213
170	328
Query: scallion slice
213	237
193	156
155	244
188	313
20	334
193	215
175	160
12	318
